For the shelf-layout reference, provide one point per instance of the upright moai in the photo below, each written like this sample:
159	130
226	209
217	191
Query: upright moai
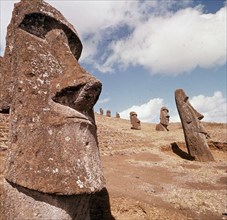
194	132
117	115
101	111
134	121
108	113
164	120
53	165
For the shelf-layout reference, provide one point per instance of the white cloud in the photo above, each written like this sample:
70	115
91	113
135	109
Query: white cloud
174	43
214	108
148	112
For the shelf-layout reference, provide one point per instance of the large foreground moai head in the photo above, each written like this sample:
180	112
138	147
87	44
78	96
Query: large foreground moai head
194	132
53	142
134	121
164	120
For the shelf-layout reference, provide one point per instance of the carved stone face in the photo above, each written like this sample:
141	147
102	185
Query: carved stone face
194	132
164	116
188	113
108	113
134	121
53	141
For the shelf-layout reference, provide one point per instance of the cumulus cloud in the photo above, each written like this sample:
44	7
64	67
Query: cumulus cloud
175	43
148	112
214	108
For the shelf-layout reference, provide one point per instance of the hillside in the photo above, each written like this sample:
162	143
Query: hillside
148	175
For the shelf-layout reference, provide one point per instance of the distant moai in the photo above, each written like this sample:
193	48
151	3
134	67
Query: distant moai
135	122
164	120
117	115
108	113
53	165
194	132
101	111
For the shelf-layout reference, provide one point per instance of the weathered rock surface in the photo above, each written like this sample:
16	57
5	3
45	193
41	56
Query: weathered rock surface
53	131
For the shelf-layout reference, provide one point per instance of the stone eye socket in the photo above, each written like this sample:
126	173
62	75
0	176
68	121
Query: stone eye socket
40	24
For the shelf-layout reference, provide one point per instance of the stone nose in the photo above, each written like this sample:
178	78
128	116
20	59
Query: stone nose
88	96
80	97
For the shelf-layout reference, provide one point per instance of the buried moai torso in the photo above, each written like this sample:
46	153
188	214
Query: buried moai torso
194	132
53	143
164	120
135	122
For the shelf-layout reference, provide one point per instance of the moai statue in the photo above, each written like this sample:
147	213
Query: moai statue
53	164
108	113
101	111
117	115
164	120
194	132
135	121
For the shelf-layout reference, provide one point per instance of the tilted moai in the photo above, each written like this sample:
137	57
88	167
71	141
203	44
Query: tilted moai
134	121
101	111
164	120
53	163
194	132
108	113
117	115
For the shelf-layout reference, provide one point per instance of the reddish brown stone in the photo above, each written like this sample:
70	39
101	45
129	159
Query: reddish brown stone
135	121
164	120
194	132
53	143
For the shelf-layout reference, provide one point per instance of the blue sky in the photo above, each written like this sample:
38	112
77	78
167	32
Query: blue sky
143	51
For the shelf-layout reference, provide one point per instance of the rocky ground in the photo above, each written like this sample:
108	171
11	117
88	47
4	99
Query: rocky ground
148	173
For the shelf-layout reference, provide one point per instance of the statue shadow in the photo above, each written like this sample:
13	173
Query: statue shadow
100	206
181	153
